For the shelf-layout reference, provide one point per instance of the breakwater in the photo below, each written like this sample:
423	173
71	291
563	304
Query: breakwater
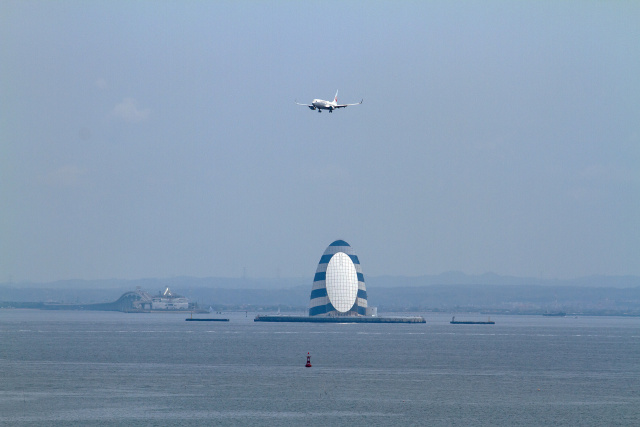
338	319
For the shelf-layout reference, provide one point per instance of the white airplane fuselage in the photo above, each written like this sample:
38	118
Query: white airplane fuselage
321	104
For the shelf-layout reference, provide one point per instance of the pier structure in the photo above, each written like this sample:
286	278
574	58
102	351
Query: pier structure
337	319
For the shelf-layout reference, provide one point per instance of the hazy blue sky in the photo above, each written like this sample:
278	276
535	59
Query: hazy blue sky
155	139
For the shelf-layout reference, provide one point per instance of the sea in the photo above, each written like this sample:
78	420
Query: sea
88	368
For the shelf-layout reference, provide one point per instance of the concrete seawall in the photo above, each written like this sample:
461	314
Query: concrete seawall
346	319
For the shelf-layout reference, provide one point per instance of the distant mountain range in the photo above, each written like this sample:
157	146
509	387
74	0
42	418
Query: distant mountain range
448	278
451	292
459	278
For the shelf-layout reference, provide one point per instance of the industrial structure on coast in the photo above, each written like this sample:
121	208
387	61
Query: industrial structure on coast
137	301
338	293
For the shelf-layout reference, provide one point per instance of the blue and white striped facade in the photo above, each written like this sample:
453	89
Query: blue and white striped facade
338	286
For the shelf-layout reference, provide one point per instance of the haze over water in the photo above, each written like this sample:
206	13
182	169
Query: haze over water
92	368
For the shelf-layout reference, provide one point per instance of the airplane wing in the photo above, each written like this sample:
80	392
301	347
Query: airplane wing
346	105
306	105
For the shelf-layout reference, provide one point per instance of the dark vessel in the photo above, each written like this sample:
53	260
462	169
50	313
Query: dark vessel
469	322
555	313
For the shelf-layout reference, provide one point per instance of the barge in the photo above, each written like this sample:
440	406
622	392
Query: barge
471	322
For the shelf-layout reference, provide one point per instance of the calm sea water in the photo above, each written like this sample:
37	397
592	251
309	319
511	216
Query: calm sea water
94	368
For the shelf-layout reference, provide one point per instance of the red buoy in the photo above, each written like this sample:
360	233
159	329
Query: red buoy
308	365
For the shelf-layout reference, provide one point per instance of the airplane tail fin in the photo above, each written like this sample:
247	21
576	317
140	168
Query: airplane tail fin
335	98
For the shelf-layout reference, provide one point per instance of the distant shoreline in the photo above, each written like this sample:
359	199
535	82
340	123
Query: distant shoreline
9	305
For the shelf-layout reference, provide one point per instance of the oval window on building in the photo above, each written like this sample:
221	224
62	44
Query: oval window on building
341	282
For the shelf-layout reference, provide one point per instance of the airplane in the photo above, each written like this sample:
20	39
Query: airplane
321	104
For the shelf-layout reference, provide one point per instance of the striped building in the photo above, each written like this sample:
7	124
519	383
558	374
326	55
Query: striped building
338	286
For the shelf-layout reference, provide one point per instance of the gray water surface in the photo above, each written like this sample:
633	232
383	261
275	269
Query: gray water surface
102	368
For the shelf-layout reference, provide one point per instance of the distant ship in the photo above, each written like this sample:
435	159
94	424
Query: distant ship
470	322
555	313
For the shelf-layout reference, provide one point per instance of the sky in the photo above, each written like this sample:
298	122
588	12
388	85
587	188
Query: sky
161	139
